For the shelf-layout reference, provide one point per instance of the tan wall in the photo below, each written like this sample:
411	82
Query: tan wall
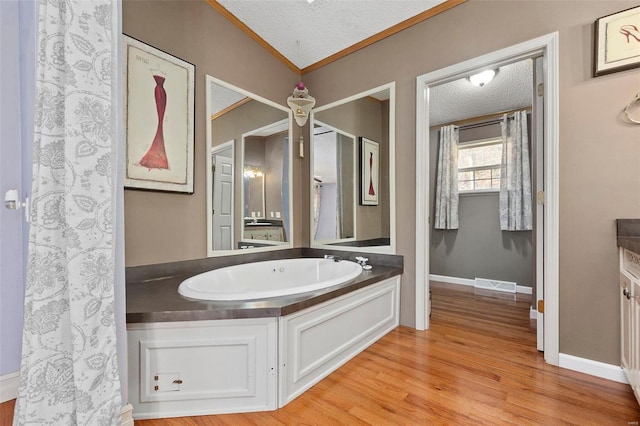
163	227
273	153
599	153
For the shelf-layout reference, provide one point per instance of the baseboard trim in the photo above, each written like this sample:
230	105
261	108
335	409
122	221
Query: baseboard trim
9	385
524	289
468	282
451	280
593	368
126	415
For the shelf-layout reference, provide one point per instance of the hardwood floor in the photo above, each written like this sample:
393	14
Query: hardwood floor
476	365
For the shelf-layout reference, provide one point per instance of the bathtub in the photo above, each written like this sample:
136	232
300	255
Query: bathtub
273	278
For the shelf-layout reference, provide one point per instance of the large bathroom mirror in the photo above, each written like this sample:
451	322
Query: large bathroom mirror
352	173
249	171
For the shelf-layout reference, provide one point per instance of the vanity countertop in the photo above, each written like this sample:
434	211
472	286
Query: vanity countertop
628	234
157	299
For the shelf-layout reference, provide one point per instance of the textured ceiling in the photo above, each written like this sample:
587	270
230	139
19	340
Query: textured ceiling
511	88
307	33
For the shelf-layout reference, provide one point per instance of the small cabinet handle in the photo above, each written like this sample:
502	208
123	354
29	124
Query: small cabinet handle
628	295
177	381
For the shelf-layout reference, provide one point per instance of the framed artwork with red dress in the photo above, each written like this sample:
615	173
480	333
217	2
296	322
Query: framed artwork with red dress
159	92
369	171
617	42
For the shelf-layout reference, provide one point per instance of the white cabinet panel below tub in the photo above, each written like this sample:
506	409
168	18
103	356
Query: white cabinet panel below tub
318	340
202	367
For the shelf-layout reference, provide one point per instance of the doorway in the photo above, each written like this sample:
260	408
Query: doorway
547	48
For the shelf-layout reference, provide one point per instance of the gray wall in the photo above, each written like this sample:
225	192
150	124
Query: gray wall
599	159
478	249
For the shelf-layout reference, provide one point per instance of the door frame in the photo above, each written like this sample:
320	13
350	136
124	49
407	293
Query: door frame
547	46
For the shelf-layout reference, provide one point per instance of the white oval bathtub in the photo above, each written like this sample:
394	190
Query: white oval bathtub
260	280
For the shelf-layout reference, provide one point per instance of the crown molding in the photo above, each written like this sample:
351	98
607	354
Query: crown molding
442	7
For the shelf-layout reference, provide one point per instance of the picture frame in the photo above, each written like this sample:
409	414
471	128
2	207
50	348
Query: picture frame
369	171
159	105
617	42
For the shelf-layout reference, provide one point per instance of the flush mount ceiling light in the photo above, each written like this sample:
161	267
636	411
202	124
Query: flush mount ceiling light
310	1
482	78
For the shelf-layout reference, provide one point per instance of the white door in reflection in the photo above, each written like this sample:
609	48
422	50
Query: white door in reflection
223	200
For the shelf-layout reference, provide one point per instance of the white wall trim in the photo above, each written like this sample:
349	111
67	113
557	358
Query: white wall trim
593	368
524	289
451	280
126	415
533	314
469	282
9	385
547	45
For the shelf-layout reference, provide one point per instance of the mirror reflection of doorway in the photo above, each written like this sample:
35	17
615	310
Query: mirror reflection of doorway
333	191
222	214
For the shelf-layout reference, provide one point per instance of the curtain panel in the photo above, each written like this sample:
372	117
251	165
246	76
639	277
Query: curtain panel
446	215
515	175
69	372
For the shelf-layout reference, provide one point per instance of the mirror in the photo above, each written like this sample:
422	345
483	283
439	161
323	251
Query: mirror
248	144
352	173
334	189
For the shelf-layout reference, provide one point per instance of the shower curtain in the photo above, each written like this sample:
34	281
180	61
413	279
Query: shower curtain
446	216
317	199
69	372
515	181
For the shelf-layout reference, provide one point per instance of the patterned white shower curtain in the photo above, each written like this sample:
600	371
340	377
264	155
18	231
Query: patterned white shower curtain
515	181
446	216
69	370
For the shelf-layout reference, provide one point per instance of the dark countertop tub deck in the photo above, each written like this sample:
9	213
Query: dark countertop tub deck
628	234
152	290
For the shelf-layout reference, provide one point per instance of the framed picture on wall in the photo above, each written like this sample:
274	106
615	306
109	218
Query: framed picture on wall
369	171
159	119
617	42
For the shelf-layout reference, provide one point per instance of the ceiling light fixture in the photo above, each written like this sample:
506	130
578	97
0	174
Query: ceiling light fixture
310	1
482	78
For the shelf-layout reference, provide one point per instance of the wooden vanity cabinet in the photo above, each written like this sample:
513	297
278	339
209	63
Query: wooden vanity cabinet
630	317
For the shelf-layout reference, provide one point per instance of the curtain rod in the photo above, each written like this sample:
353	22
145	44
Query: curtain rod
480	121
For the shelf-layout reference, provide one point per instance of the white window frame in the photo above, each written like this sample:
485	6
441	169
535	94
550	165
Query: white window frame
474	144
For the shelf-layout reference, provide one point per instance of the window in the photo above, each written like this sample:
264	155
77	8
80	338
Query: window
479	165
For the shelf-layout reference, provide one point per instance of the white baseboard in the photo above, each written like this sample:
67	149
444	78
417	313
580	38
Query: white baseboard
9	385
593	368
533	314
451	280
524	289
126	415
469	282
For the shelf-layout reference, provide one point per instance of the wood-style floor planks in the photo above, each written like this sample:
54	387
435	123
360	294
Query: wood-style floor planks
476	365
